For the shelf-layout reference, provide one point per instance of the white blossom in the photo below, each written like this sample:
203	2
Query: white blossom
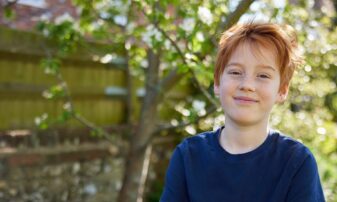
104	14
279	3
46	94
76	26
120	20
141	92
146	37
205	15
90	189
321	130
144	63
96	25
200	37
185	112
157	35
45	32
167	45
150	34
207	61
67	106
181	45
100	5
106	58
174	122
46	16
188	25
130	27
189	56
63	18
191	130
198	105
307	68
182	110
40	119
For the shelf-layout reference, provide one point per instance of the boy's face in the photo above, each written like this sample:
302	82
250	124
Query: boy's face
249	85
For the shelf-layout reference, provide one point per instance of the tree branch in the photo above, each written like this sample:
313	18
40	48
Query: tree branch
92	126
209	111
71	109
76	116
203	90
233	18
173	77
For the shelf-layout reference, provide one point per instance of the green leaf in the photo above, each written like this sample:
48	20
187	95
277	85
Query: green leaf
9	14
50	65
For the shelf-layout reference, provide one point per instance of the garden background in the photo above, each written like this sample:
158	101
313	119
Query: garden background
95	94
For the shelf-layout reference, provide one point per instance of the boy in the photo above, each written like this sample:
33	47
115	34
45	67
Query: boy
245	160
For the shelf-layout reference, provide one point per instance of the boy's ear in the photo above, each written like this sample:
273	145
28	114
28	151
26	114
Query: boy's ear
216	89
282	94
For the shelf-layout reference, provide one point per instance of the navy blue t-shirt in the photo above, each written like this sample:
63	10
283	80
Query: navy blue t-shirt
280	169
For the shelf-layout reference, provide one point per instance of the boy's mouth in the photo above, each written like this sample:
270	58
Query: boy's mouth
245	99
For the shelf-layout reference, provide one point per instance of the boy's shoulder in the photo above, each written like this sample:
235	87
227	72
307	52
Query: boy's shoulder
287	140
199	140
289	145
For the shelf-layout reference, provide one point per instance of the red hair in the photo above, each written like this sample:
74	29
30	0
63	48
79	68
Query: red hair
282	39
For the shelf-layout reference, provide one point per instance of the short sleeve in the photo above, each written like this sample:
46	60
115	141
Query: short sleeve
306	185
175	181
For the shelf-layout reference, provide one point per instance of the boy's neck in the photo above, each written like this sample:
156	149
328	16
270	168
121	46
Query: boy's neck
242	139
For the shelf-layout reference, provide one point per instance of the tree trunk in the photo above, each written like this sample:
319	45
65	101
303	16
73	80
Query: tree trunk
131	190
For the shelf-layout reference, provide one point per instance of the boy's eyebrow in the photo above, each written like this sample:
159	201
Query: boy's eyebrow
268	67
235	64
241	65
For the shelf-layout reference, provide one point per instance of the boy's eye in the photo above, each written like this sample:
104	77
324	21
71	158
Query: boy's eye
264	76
235	72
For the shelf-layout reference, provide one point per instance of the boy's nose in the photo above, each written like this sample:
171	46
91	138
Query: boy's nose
247	84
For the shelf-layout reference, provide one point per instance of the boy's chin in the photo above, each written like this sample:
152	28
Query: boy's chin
245	121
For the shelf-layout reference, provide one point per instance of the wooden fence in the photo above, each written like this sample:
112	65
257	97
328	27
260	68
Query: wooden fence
98	90
23	81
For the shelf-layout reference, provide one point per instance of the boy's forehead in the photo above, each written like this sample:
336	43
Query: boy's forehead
265	56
